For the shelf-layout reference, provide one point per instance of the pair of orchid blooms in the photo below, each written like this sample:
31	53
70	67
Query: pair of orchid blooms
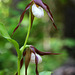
32	54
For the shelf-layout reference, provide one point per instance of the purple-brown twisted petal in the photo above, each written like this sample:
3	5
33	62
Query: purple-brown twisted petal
43	53
46	8
32	18
50	15
22	16
36	61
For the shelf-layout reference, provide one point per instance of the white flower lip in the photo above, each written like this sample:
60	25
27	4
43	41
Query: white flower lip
37	11
32	60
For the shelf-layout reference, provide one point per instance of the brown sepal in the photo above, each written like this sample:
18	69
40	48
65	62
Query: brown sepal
43	53
46	8
22	16
36	61
27	59
50	15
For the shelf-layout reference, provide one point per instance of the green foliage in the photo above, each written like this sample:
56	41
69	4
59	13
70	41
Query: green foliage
4	33
8	63
63	1
45	73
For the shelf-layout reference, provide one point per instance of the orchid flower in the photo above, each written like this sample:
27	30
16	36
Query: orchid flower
37	7
33	55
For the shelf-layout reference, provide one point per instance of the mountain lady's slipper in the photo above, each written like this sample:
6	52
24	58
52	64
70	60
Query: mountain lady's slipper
37	7
40	12
33	55
32	59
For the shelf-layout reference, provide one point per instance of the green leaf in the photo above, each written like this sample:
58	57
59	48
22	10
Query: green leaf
5	34
45	73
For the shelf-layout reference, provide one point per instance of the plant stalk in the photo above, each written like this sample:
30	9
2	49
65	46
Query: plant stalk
24	46
18	65
27	33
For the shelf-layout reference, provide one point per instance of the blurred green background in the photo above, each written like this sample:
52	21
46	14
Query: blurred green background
43	35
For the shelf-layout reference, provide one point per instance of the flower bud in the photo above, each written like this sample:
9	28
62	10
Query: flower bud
37	11
32	60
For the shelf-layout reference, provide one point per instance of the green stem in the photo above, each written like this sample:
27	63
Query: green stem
24	46
21	49
27	33
18	65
